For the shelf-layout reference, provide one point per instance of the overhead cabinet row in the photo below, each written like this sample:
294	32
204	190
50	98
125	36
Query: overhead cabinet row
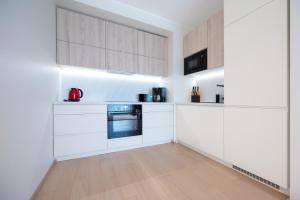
208	35
95	43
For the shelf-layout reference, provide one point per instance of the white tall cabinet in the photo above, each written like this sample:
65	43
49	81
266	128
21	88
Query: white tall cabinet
256	87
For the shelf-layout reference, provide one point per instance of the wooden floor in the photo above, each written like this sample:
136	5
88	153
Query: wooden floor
163	172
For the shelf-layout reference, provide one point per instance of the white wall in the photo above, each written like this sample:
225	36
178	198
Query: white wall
295	101
28	85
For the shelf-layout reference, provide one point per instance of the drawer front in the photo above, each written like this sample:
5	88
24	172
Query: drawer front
157	108
156	135
79	109
76	144
80	124
157	119
124	142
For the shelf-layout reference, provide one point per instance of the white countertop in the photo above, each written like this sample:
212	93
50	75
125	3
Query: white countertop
133	102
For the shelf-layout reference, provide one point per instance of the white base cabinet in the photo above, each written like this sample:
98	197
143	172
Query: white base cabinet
201	127
255	139
81	130
158	124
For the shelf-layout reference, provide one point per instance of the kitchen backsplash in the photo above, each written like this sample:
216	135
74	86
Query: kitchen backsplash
98	89
208	88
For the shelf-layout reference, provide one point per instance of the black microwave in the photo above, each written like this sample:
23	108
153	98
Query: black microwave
196	62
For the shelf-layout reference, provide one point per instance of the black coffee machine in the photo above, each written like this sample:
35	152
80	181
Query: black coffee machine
159	94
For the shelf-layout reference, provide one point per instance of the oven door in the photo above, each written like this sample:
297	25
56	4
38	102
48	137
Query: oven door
124	125
196	62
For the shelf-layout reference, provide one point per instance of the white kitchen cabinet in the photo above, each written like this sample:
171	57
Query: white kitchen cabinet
201	127
121	38
80	29
158	124
235	10
256	140
79	130
256	57
80	55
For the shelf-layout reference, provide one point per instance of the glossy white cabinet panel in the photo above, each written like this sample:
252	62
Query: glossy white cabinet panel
157	119
79	109
157	135
201	127
79	144
256	140
126	142
237	9
80	124
158	108
256	58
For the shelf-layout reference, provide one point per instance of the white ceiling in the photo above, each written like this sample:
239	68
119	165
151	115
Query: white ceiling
187	13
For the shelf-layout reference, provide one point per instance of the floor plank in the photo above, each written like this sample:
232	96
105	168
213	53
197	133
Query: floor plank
162	172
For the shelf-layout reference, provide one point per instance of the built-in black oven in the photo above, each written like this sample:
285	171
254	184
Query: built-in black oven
124	120
196	62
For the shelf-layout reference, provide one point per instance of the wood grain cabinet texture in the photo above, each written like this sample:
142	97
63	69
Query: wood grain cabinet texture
196	40
78	28
215	50
91	42
153	54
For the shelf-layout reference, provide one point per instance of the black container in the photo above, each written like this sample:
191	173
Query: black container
145	98
218	98
195	99
159	94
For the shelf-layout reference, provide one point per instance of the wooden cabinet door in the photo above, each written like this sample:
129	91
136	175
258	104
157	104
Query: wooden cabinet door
215	50
80	55
121	62
78	28
121	38
256	58
202	128
256	140
152	66
196	40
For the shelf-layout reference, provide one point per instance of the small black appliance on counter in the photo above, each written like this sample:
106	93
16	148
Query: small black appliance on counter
145	98
159	94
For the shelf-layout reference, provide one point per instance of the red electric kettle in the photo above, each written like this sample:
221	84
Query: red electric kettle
75	94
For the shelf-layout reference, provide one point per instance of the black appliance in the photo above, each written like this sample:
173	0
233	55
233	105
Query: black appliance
145	98
124	120
196	62
159	94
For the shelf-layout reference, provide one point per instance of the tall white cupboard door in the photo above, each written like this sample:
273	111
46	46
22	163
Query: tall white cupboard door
256	140
236	9
81	29
256	58
202	128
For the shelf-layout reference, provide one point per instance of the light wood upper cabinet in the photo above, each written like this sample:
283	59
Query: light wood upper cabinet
121	38
151	45
196	40
80	55
153	54
121	62
215	50
79	28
